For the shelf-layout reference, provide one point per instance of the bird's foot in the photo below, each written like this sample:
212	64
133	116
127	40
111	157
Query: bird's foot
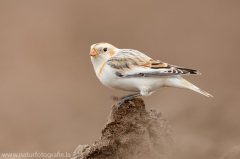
119	104
127	98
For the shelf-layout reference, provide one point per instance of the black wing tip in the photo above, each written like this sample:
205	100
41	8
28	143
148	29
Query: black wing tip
189	71
195	72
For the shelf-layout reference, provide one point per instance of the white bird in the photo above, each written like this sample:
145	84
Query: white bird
131	70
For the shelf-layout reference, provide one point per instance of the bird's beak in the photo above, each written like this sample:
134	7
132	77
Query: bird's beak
93	53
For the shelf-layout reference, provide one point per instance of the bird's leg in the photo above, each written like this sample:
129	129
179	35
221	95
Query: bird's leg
116	98
126	98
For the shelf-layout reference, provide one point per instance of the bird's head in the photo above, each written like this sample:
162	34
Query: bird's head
100	53
101	50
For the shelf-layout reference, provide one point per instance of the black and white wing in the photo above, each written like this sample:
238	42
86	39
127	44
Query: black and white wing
132	63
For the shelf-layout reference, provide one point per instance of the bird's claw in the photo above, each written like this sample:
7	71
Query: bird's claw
119	104
125	98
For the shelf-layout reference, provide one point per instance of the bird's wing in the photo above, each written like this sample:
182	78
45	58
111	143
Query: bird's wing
132	63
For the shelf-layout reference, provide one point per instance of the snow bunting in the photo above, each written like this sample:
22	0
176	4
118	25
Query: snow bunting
131	70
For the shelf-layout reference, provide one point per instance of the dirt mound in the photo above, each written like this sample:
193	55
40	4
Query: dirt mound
131	132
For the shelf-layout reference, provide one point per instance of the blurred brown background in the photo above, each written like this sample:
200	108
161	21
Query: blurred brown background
51	99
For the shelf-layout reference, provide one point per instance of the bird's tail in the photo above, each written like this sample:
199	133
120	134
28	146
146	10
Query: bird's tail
190	86
202	92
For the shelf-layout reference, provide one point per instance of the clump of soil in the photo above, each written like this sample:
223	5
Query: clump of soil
131	132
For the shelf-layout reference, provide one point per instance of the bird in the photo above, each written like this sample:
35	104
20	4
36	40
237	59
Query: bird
132	70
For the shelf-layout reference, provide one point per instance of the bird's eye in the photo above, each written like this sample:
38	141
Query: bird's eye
105	49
